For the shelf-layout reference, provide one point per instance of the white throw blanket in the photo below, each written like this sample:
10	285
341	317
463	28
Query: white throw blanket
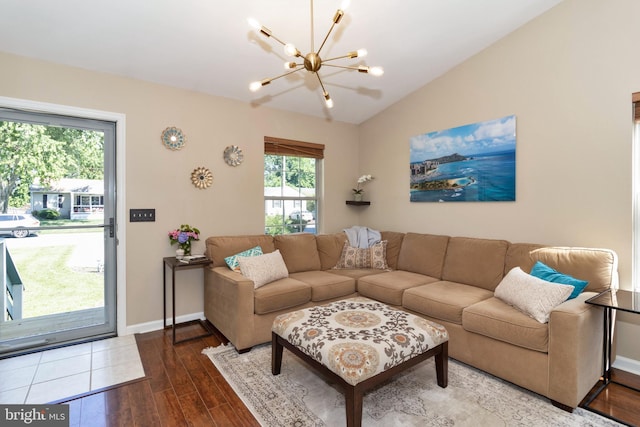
362	237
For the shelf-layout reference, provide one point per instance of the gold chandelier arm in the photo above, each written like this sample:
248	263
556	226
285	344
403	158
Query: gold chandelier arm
311	25
336	20
272	36
349	55
320	80
327	99
282	75
360	68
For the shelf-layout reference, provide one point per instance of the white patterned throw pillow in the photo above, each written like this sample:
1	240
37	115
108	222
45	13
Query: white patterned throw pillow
263	269
534	297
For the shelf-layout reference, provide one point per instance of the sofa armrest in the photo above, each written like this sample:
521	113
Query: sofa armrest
228	304
575	349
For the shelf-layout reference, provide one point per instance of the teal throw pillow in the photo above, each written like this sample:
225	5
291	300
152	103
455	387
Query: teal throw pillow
544	272
232	261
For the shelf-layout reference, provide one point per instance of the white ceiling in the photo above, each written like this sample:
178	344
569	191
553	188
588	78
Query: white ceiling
207	45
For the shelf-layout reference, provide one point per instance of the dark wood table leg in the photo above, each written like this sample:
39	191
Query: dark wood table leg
442	365
276	354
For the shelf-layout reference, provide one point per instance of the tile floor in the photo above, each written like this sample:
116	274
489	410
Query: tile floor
68	371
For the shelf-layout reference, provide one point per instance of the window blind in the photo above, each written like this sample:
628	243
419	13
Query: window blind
290	147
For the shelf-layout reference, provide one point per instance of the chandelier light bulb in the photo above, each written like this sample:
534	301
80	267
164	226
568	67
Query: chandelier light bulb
327	100
253	23
290	50
345	4
376	71
361	52
254	86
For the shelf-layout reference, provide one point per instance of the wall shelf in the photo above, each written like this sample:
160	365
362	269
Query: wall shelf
354	203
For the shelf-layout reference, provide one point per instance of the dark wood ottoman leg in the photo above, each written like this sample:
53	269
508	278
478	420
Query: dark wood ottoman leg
442	365
276	354
353	405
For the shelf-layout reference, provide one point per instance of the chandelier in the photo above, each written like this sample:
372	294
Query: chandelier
312	62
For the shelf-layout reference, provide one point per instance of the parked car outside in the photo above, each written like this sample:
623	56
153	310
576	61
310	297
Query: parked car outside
22	224
305	215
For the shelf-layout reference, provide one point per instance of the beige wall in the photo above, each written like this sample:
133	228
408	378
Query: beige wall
568	77
160	178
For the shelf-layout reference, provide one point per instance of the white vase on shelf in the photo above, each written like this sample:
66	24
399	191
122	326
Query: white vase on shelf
357	197
179	253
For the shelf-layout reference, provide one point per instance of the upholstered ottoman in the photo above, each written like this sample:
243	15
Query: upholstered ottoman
358	343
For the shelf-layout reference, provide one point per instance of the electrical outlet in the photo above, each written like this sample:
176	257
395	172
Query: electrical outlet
142	215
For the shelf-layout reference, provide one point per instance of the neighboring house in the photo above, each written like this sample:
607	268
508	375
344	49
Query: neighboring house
277	207
73	198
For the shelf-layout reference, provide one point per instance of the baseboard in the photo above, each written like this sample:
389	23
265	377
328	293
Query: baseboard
156	325
628	365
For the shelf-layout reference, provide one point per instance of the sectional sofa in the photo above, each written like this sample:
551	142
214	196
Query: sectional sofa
450	280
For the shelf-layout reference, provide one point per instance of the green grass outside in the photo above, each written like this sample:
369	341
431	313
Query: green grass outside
51	286
67	222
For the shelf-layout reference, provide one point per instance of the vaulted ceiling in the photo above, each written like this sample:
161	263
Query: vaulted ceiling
207	46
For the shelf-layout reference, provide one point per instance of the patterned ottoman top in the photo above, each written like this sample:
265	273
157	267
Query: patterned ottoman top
359	338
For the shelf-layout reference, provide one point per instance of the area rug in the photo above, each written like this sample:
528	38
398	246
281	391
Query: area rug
299	397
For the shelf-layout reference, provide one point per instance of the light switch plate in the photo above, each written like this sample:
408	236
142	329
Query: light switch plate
142	215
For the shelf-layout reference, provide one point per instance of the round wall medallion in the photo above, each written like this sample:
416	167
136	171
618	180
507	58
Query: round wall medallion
201	178
233	155
173	138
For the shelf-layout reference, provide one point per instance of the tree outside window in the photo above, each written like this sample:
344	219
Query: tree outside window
291	182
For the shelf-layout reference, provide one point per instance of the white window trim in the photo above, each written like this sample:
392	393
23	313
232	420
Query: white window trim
635	185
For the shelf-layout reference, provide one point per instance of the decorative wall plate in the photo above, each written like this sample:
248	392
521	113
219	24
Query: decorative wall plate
173	138
233	155
201	178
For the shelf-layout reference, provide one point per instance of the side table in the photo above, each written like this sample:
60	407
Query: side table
611	300
175	264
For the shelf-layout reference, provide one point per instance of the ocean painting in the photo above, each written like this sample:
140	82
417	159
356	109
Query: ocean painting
471	163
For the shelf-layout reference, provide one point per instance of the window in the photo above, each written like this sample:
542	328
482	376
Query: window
292	171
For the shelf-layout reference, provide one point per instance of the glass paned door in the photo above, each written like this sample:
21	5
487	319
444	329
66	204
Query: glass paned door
57	230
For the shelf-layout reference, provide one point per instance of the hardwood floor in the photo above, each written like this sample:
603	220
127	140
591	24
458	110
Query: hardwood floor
183	388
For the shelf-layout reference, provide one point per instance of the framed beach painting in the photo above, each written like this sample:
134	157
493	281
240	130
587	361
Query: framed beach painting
471	163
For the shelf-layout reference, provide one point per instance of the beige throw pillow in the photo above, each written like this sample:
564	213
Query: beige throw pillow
534	297
371	257
263	269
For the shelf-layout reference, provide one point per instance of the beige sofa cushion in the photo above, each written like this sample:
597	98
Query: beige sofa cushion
394	243
519	255
444	300
281	294
388	287
325	285
217	248
299	251
477	262
498	320
423	254
329	249
599	267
